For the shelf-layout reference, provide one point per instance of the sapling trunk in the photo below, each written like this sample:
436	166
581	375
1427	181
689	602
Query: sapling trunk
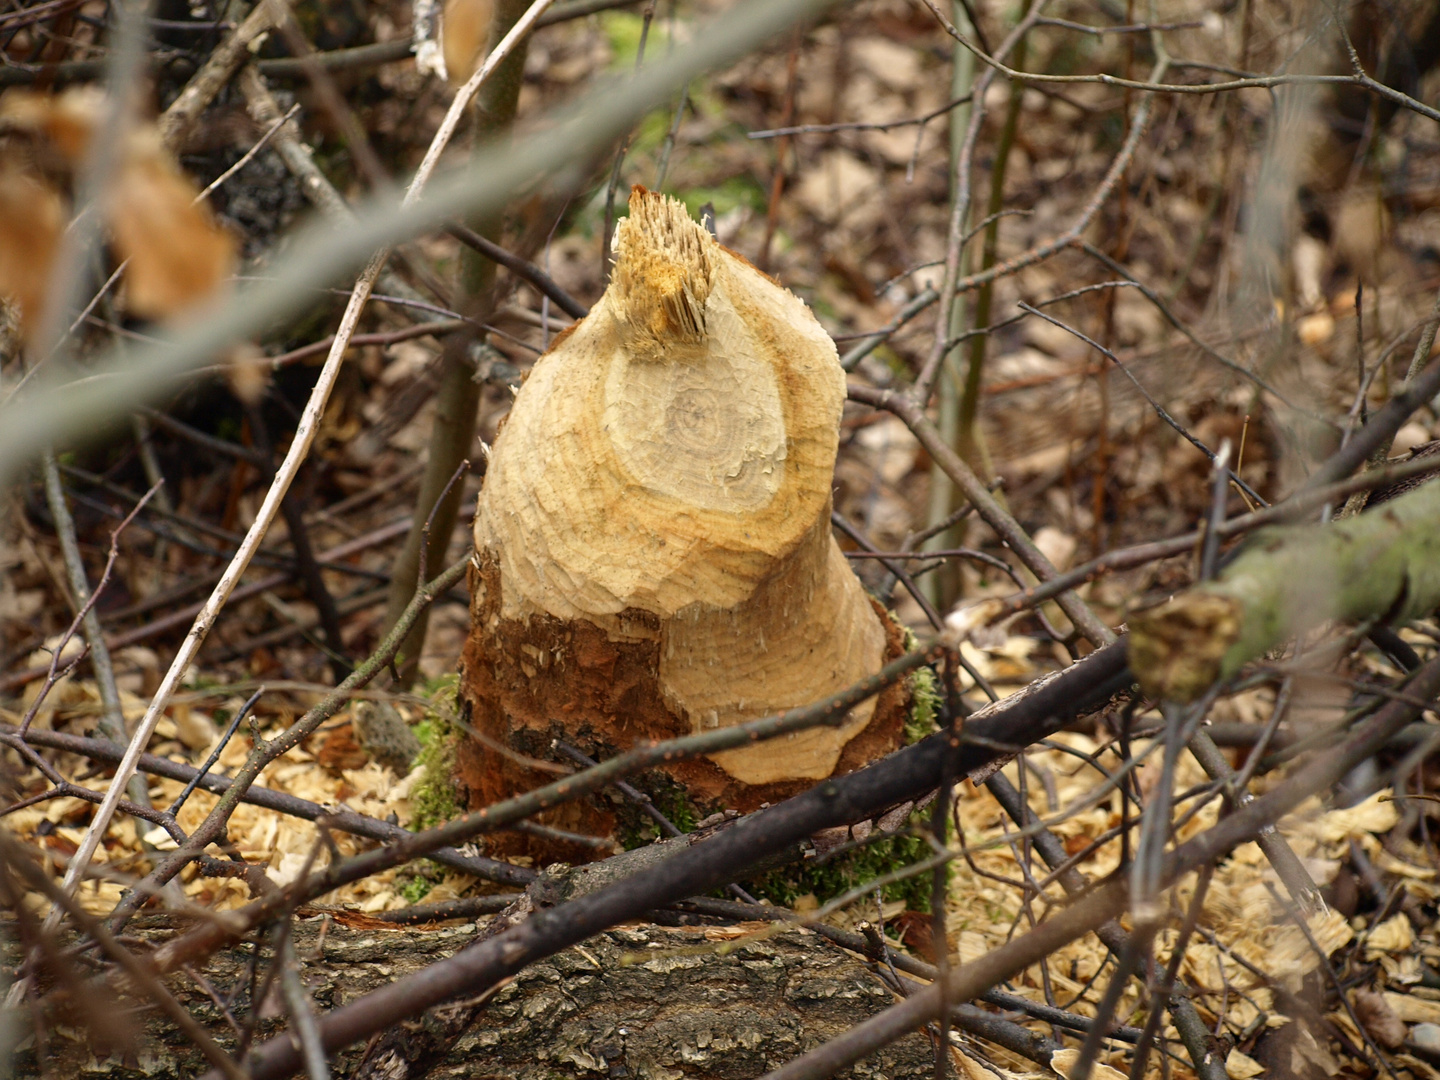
458	395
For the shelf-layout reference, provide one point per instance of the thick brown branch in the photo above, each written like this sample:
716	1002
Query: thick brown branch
721	858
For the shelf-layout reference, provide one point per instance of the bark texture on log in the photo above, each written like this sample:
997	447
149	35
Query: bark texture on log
653	545
639	1001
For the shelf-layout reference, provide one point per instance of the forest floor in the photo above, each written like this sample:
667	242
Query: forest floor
850	210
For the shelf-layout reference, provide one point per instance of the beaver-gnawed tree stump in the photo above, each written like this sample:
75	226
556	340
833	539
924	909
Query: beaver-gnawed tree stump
653	554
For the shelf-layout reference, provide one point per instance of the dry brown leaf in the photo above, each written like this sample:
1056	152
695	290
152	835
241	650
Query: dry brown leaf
66	120
178	254
464	34
1379	1019
32	218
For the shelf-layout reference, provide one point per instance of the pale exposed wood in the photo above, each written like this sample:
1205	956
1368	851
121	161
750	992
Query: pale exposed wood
664	477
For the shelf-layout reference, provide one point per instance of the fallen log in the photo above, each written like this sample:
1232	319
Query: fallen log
646	1001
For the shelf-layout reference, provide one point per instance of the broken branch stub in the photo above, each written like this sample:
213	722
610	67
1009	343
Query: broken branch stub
1383	564
653	548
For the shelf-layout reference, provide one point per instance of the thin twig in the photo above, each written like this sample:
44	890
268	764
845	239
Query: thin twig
1125	558
1107	900
135	969
885	125
1427	341
266	751
222	63
831	710
662	167
249	155
1323	959
460	470
1248	82
851	360
391	337
324	252
950	283
112	722
225	738
1219	489
1160	305
302	1012
607	232
1159	409
281	802
858	796
525	271
970	485
183	615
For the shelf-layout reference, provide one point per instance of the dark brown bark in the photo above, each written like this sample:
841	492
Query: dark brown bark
513	693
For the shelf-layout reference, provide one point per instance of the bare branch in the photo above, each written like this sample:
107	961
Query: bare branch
701	866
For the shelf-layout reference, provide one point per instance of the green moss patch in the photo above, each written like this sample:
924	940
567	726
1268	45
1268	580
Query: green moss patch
926	696
634	828
829	878
433	799
416	887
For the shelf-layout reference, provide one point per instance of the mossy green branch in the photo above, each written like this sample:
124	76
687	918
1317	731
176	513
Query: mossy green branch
1384	564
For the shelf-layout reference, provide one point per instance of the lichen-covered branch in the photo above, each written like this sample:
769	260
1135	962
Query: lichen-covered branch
1384	564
